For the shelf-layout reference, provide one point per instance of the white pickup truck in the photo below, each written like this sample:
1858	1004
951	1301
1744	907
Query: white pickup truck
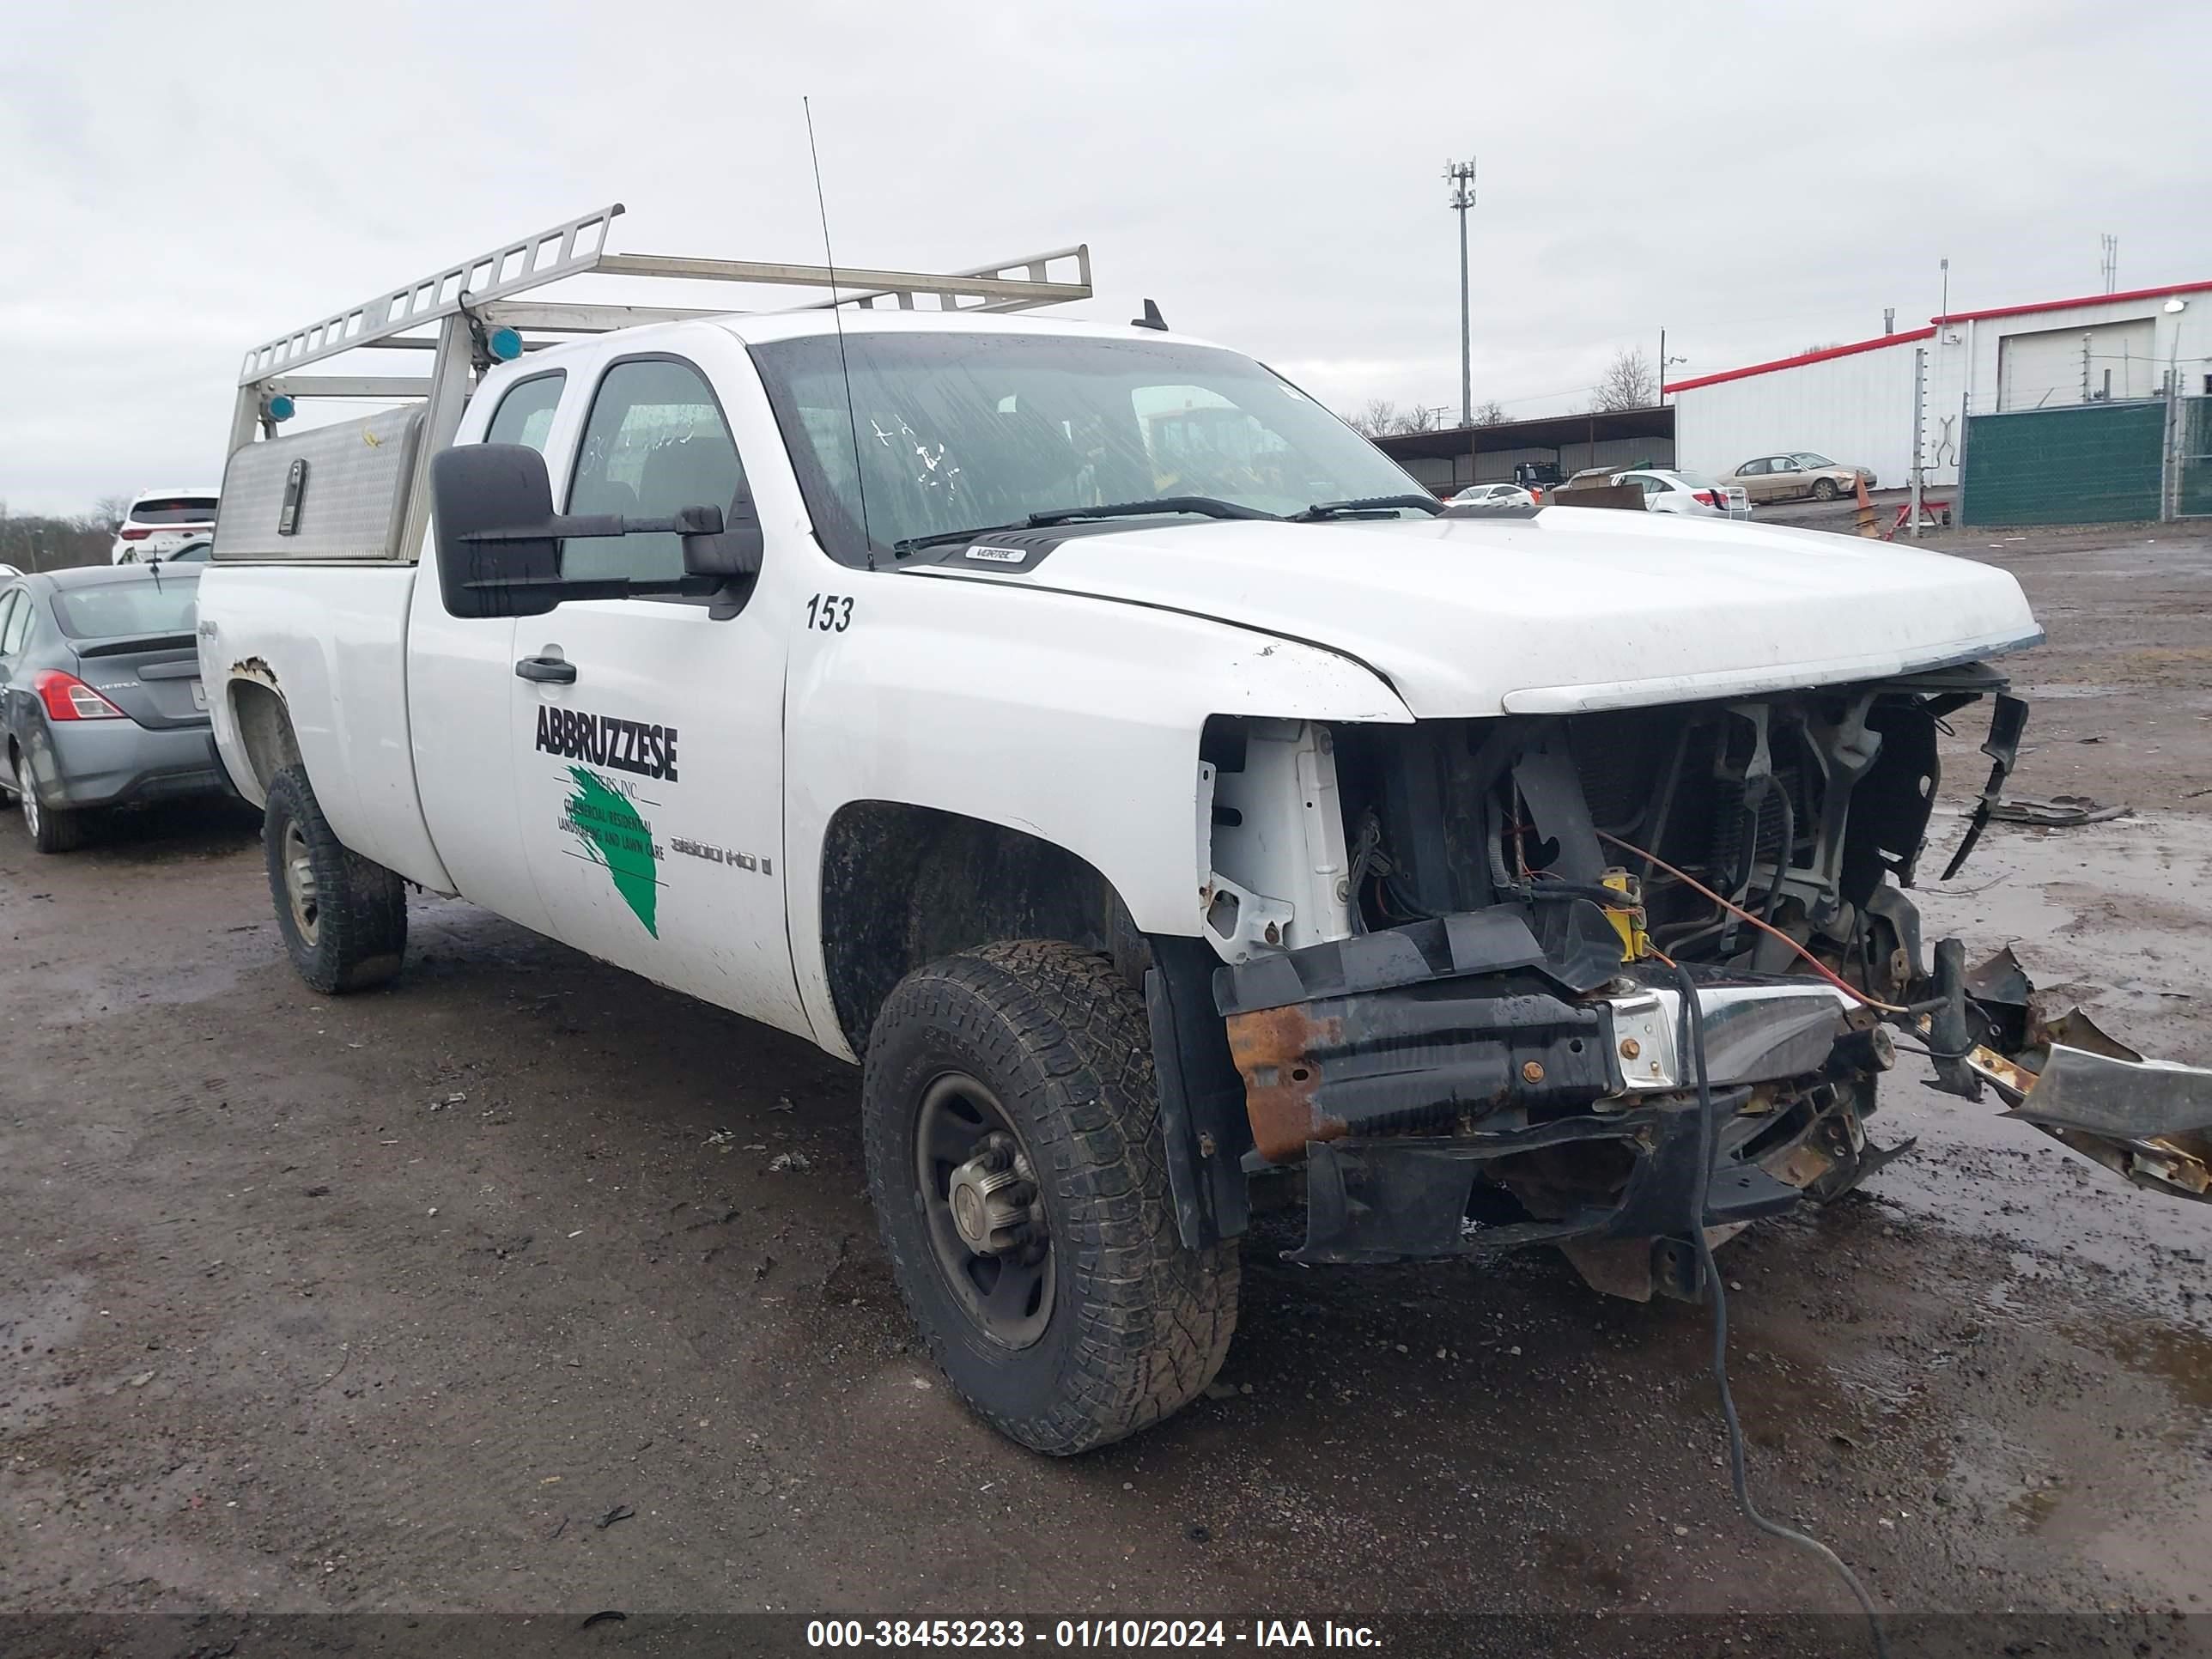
1174	812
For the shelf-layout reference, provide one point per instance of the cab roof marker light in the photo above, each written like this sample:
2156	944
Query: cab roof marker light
505	345
281	408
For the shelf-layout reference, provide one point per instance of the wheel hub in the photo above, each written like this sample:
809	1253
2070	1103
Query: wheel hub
993	1200
299	882
983	1205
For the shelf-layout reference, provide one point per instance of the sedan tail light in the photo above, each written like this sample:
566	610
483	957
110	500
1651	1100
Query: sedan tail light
69	698
1706	497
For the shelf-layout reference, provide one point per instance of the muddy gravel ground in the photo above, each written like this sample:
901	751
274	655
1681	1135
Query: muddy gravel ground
526	1287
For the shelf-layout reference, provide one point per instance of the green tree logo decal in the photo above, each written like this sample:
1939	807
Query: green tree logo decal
604	822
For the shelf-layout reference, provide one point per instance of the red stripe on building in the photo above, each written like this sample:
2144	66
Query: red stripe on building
1874	344
2069	305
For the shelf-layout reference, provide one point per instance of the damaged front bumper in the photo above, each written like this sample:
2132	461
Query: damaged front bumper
1400	1068
1399	1071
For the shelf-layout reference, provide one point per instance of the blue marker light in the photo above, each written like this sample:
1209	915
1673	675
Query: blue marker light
281	407
504	344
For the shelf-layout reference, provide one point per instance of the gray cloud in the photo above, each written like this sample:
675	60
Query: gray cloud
183	181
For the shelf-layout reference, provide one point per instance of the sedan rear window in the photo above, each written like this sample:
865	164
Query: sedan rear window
174	509
116	610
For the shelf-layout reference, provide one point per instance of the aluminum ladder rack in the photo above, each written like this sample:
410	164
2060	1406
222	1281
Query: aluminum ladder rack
477	320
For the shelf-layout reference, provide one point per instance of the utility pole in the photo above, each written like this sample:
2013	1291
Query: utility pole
1944	265
1459	175
2110	264
1665	364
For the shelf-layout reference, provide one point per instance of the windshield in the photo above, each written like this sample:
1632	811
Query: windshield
962	430
108	611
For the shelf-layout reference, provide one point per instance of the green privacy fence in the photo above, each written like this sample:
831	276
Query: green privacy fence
2192	494
2084	464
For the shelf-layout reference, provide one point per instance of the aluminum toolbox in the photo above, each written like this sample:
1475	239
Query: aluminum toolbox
336	494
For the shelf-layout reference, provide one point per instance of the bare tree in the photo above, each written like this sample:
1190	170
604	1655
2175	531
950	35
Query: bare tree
108	514
1377	418
1490	414
1421	417
1628	382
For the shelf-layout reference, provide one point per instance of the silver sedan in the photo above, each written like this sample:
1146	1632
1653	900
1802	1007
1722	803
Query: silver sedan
100	700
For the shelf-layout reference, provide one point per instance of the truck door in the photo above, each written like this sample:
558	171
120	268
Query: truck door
650	731
460	686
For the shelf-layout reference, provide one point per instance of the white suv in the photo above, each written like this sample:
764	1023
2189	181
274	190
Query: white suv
160	521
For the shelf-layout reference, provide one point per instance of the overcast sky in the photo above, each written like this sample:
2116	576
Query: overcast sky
181	181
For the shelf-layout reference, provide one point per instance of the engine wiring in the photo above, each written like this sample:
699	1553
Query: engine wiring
1816	964
1692	1038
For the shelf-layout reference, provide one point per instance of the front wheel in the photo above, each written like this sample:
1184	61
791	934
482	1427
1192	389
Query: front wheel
1014	1154
344	918
1824	490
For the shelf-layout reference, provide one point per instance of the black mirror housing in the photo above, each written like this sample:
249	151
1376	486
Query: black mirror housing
476	489
499	541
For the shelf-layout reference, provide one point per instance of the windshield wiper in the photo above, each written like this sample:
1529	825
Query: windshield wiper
1208	506
1321	510
1203	506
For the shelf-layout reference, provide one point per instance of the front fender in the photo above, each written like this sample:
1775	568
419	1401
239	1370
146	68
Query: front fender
1071	719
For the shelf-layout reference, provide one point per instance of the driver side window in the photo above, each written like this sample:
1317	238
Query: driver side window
655	442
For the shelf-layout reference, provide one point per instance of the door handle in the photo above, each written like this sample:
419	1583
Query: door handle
546	671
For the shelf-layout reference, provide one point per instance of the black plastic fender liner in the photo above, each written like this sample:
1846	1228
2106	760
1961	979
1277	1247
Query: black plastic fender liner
1204	1128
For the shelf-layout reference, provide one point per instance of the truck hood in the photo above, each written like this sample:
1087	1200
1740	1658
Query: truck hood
1569	610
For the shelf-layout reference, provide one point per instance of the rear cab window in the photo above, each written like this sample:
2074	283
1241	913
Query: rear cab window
525	415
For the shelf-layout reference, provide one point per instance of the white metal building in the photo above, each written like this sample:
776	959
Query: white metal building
1853	403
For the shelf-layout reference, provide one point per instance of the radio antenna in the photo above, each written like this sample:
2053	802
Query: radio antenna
837	317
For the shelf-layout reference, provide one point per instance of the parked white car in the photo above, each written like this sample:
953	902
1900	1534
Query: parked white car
1170	813
1494	494
1666	491
160	521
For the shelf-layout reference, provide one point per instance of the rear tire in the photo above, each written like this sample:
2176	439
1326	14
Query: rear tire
53	829
1824	490
344	918
1046	1051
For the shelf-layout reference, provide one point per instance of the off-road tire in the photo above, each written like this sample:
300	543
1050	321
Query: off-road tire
359	930
1825	489
1140	1325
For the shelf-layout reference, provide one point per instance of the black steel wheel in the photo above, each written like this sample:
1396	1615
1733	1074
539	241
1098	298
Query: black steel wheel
1011	1124
986	1222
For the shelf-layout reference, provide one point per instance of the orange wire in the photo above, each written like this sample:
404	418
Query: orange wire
1818	966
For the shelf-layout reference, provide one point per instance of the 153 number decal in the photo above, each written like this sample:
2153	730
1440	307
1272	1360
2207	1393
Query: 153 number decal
830	613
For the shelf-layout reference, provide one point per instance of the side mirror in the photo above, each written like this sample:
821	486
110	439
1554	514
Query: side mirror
492	505
499	540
